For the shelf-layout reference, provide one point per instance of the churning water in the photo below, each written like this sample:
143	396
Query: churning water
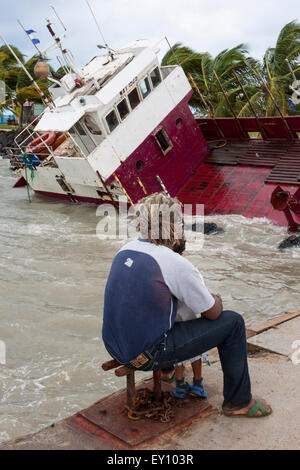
53	271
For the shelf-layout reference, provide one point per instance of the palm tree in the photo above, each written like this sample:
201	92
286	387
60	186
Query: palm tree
18	85
276	67
24	88
9	72
279	68
203	68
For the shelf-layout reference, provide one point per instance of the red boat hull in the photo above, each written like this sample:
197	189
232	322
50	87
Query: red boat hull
238	176
234	190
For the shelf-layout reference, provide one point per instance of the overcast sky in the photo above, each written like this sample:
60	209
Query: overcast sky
205	25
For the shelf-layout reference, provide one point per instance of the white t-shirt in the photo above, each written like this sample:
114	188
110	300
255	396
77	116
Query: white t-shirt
183	279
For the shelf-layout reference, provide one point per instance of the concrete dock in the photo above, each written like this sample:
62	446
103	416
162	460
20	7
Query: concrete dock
274	362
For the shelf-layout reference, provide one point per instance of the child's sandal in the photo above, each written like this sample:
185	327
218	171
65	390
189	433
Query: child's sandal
182	391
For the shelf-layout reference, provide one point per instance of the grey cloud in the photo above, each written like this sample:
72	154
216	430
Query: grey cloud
205	25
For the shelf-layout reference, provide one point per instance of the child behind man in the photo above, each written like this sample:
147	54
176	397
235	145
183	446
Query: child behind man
183	388
196	389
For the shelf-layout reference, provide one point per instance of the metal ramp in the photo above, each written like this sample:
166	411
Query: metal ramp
283	157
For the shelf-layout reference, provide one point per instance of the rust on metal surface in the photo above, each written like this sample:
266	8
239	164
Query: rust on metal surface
130	391
105	440
109	365
105	186
107	416
122	371
146	405
229	154
287	170
282	156
283	201
157	385
142	186
123	189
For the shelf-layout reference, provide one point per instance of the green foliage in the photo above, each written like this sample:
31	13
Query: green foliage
9	68
274	71
61	71
7	59
201	66
18	85
24	89
23	79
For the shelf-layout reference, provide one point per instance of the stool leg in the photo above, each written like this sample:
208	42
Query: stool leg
130	388
157	384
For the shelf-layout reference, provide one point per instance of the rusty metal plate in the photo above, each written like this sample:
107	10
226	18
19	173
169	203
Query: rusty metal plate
107	416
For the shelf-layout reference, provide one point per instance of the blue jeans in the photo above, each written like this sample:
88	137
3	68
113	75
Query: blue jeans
192	338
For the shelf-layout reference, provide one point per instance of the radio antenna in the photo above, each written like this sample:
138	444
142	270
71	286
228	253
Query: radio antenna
59	19
99	29
65	53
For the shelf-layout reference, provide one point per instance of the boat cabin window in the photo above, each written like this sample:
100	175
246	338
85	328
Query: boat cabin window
82	138
93	129
78	127
112	120
145	87
92	125
123	109
155	77
163	141
134	98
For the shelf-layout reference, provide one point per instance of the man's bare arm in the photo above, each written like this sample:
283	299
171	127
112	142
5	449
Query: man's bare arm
215	312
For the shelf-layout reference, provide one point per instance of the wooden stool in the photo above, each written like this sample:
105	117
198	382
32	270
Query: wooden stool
122	371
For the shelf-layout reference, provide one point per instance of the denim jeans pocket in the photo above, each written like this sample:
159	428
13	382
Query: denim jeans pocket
150	365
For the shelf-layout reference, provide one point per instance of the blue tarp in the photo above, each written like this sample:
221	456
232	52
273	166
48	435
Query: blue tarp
4	119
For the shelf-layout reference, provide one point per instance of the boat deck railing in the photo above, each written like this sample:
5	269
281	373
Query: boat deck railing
30	136
231	129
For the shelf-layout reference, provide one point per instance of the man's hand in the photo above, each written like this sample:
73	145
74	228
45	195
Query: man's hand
215	312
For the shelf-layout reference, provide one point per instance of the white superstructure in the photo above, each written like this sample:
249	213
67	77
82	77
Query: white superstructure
107	113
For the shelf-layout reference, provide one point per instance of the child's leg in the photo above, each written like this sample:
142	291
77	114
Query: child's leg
179	372
197	369
182	388
197	389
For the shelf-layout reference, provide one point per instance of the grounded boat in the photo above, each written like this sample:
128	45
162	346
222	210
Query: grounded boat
121	128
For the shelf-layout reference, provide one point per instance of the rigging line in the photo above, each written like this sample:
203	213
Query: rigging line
99	29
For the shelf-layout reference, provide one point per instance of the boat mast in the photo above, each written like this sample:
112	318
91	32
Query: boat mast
38	51
243	133
263	82
250	104
41	93
65	53
109	51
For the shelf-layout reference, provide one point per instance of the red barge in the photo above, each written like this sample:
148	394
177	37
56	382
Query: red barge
122	128
252	177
